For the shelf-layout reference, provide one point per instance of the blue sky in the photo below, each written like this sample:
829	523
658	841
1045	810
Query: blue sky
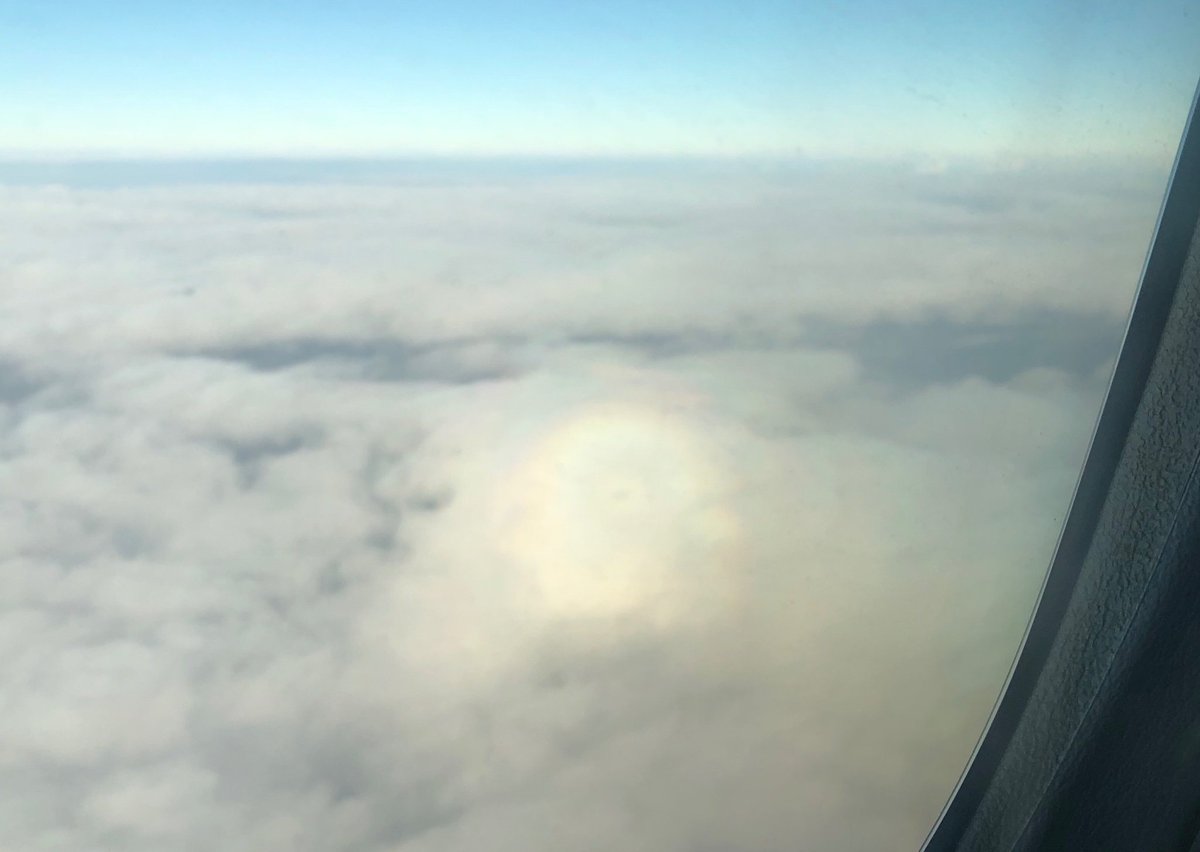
363	77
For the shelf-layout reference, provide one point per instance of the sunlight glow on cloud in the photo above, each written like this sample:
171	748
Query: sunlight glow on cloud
618	511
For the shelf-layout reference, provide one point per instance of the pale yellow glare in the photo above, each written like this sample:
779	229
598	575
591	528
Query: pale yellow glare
620	510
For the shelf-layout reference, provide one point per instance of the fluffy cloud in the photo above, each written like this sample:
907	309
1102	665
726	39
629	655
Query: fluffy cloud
663	511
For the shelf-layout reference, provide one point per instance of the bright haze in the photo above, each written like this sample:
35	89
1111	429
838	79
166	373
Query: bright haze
543	427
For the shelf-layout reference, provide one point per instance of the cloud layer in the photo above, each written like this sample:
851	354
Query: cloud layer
658	511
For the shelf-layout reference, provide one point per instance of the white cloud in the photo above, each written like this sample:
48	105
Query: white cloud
531	514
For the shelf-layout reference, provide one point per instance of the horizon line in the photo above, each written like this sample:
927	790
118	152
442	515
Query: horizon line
1010	159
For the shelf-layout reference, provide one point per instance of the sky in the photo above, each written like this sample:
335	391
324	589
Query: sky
859	79
542	427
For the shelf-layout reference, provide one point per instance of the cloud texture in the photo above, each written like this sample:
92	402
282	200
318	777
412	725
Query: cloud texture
657	510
